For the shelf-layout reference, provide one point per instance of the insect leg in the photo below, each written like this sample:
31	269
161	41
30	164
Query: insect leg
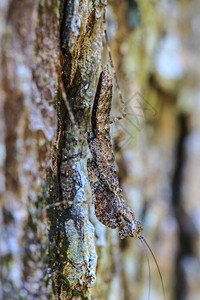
124	113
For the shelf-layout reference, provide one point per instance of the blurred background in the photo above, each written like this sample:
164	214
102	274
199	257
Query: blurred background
156	52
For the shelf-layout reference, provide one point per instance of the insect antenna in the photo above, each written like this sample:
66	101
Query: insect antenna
124	113
149	269
141	238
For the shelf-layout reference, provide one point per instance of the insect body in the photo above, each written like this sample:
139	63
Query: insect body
110	206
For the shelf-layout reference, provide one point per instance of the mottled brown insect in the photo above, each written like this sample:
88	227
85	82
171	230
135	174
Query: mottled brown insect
110	206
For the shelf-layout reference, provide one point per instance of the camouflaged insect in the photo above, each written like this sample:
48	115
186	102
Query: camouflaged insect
111	208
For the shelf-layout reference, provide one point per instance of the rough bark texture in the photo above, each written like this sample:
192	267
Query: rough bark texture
29	62
49	235
71	236
47	251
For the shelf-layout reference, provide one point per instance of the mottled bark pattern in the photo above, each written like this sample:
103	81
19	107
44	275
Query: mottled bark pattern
71	236
29	58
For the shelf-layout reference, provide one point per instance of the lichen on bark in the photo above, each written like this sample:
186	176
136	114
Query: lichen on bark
71	235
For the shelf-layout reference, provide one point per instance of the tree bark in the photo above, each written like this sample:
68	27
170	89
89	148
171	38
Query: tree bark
71	236
47	248
29	63
50	54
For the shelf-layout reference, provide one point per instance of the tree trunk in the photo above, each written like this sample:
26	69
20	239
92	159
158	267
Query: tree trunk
47	249
50	238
